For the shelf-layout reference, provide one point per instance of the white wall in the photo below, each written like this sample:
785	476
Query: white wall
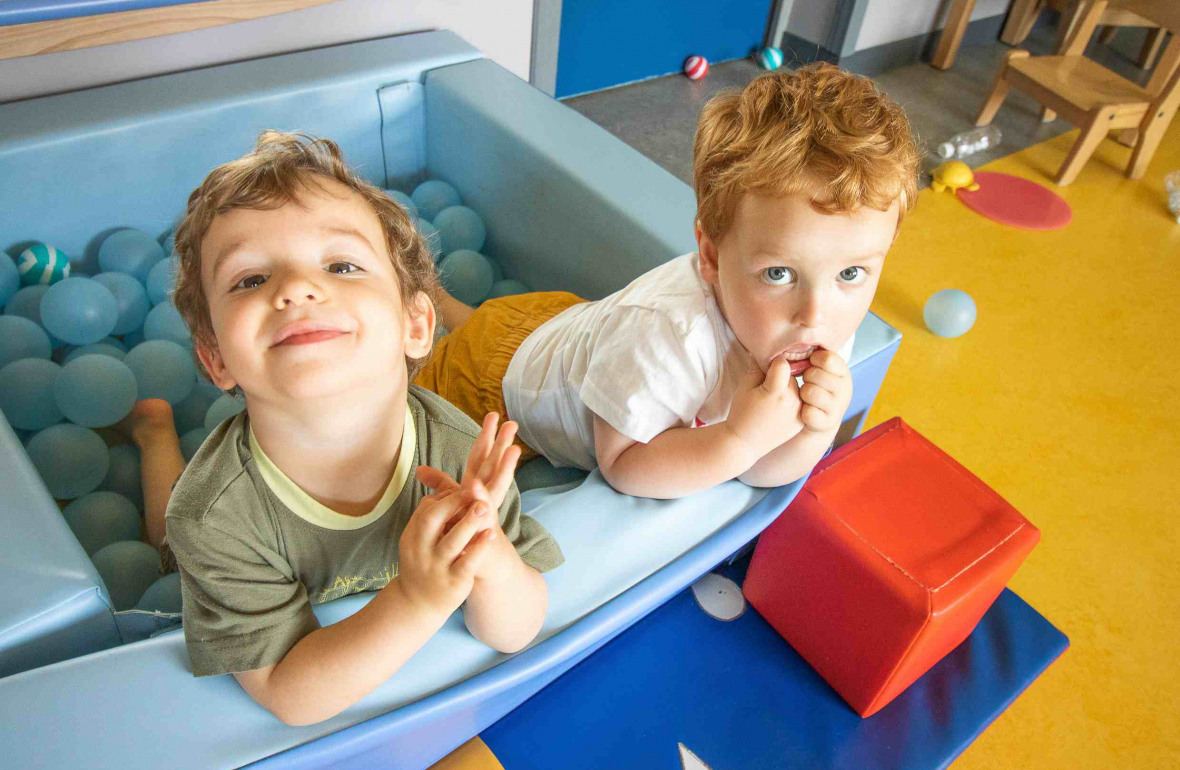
811	19
886	21
501	29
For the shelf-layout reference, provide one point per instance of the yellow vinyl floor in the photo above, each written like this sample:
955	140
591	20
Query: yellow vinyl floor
1064	398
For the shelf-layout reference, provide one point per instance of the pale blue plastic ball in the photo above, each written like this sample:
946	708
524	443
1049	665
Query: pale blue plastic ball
131	299
95	391
460	228
123	475
466	275
162	595
506	288
164	323
222	409
130	251
9	279
169	240
191	441
190	413
26	393
161	280
405	201
949	313
433	196
104	348
101	518
21	338
162	369
127	568
430	235
26	303
71	460
497	271
79	311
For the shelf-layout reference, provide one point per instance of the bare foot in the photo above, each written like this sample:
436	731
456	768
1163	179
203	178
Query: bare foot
150	419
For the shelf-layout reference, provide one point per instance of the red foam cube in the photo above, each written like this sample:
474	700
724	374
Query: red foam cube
884	562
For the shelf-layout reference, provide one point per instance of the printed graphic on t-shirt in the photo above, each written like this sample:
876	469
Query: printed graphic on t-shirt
347	585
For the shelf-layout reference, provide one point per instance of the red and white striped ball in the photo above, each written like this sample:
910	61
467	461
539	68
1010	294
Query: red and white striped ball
696	67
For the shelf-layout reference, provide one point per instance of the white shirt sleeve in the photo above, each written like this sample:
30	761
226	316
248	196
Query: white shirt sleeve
645	375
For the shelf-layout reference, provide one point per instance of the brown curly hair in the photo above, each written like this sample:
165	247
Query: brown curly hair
818	130
280	168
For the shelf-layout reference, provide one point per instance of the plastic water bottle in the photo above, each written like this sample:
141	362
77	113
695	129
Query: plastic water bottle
969	142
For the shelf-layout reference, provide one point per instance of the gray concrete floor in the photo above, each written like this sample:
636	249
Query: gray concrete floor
658	116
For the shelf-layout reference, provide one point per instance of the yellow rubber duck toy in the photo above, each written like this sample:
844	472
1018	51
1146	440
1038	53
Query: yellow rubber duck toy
953	175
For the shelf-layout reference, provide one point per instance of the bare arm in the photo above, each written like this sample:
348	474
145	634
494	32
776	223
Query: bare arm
334	667
676	463
506	609
790	461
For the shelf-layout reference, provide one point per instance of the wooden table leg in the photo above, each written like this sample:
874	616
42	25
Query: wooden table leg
952	33
1015	28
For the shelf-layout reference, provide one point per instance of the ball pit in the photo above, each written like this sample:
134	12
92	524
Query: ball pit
130	251
21	338
70	459
128	568
101	518
433	196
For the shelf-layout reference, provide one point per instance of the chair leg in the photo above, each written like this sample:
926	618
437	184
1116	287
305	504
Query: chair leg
1000	89
1020	20
1092	135
1151	47
1127	137
1149	140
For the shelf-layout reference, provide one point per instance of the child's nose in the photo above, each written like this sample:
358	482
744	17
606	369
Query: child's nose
294	288
809	310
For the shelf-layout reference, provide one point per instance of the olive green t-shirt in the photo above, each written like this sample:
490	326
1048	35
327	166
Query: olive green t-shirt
251	567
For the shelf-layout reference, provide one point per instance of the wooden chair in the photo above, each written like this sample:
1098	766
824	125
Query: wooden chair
1024	14
1092	97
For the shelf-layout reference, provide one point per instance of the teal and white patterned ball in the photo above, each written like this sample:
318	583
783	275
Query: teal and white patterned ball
770	58
43	265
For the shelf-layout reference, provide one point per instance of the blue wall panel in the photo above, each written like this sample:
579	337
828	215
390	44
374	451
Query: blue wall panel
608	42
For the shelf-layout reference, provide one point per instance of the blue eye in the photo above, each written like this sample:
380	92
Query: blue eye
853	275
342	268
250	282
778	276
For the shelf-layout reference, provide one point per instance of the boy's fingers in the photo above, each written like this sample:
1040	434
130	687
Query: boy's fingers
503	440
502	478
483	443
814	395
433	478
432	517
471	558
778	376
821	379
474	521
829	361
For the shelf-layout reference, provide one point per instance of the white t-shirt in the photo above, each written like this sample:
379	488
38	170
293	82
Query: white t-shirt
654	355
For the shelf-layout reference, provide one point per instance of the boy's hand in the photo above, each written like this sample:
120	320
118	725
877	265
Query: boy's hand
765	412
487	479
436	565
826	391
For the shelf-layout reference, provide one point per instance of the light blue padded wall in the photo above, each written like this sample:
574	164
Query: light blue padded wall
571	216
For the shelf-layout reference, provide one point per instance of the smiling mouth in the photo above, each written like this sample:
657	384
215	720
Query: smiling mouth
309	338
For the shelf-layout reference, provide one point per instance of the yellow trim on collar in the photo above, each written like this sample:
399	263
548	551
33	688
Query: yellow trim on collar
313	511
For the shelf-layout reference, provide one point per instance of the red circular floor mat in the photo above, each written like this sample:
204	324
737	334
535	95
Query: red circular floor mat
1011	200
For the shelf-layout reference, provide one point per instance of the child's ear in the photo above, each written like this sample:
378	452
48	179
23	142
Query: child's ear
211	359
708	254
419	328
